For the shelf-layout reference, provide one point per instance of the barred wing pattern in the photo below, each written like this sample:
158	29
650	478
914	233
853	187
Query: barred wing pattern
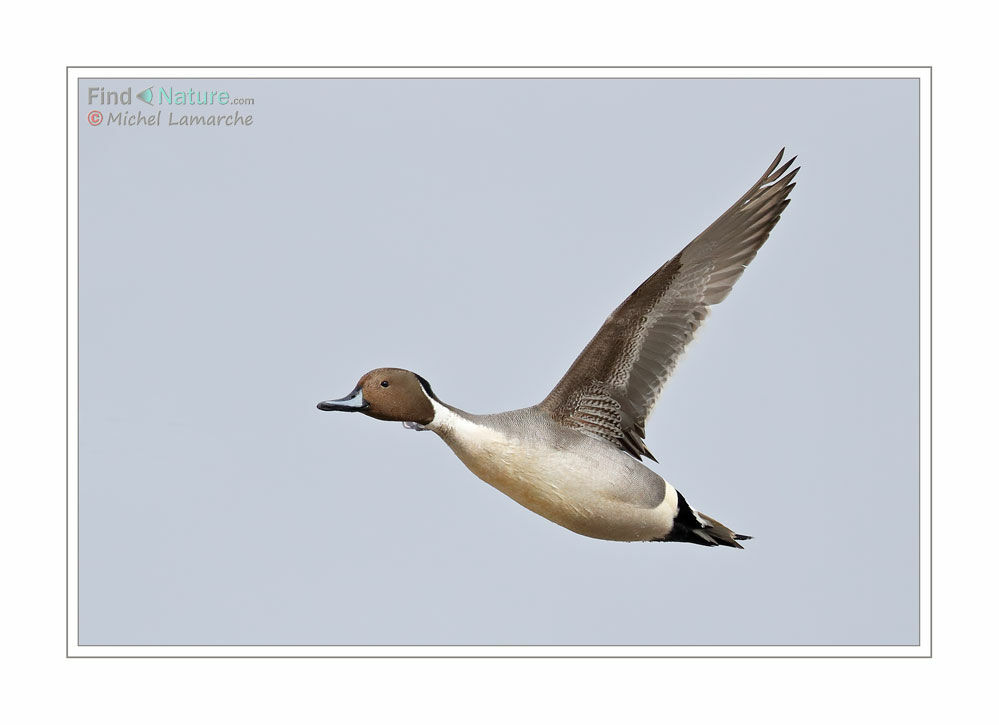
612	386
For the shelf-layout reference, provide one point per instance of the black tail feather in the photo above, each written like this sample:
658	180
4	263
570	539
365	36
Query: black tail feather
693	527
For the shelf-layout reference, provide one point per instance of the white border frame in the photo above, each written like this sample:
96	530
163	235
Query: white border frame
73	121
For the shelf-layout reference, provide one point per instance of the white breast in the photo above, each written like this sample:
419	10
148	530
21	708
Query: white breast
490	454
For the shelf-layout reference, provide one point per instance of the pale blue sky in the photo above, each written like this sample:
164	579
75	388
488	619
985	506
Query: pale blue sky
478	232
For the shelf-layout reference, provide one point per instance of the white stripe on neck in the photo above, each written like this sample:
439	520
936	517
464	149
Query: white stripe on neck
466	434
445	419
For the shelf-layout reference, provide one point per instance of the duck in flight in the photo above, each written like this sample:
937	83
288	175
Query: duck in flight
576	457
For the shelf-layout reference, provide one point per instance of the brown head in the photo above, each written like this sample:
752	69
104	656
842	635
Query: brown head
388	394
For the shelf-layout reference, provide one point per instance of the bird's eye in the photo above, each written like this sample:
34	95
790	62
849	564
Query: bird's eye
384	383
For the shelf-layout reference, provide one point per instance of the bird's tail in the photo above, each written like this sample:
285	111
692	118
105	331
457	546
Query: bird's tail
695	528
716	533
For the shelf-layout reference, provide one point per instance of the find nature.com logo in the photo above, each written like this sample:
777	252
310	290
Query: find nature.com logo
116	107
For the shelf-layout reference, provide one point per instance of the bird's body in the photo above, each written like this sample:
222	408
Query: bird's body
580	482
575	458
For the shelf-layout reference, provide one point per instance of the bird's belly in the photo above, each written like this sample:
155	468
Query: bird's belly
589	491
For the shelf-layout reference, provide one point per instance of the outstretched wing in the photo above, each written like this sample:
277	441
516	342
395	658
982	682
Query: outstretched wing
612	386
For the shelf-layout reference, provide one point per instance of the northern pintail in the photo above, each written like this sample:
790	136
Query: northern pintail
575	458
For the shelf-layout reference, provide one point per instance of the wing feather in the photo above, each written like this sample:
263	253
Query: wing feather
611	388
